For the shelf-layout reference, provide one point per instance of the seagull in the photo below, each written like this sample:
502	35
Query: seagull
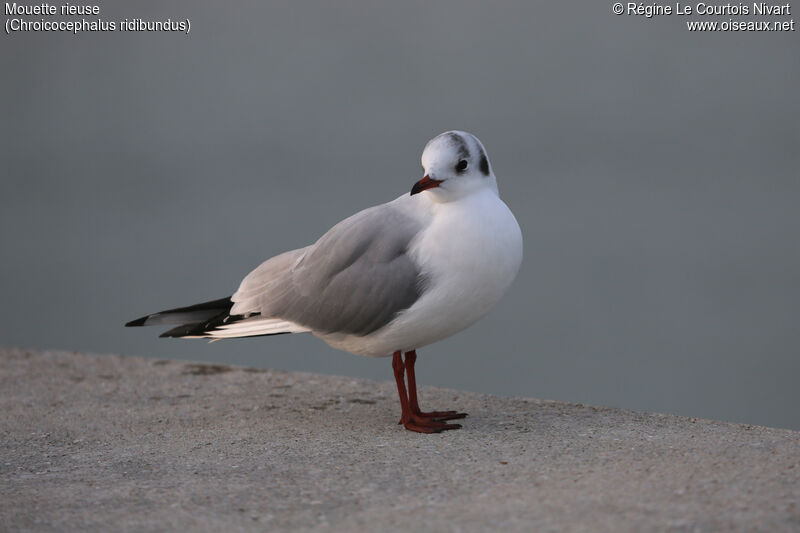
386	281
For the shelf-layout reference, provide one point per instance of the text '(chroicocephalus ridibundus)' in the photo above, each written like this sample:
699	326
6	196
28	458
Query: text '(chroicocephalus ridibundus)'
388	280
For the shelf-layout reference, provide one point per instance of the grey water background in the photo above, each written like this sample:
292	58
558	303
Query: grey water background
654	173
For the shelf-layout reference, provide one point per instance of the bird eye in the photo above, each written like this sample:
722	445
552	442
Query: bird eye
462	165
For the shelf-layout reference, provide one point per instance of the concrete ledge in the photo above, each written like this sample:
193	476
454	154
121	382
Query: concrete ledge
95	443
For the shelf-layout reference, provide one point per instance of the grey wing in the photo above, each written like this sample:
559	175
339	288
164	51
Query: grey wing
355	279
266	279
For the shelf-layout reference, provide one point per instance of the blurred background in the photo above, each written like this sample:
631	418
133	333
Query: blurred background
654	173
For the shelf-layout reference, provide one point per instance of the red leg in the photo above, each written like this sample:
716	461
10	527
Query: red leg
409	419
411	359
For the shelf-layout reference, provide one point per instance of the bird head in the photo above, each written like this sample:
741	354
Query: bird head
455	164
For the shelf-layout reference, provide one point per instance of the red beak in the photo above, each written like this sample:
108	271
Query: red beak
424	184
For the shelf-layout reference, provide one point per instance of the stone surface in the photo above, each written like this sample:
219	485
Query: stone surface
101	443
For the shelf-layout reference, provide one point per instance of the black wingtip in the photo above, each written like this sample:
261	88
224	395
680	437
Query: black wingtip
137	322
205	310
185	330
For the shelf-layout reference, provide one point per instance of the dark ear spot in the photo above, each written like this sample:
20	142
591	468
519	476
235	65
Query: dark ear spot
484	165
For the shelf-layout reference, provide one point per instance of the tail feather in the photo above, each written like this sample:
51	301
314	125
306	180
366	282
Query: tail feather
212	320
254	326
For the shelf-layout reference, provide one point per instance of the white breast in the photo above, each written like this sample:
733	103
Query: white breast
470	253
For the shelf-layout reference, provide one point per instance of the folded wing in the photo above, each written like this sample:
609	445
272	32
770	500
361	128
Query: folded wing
353	280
